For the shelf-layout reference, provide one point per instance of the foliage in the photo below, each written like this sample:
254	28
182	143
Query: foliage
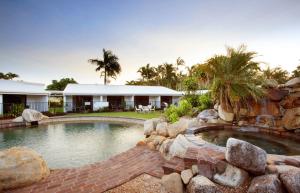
61	84
147	72
108	67
190	85
174	112
17	109
166	74
296	72
233	78
8	76
205	102
277	73
193	99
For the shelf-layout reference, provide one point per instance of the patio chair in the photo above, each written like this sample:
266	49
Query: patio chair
138	110
151	107
145	109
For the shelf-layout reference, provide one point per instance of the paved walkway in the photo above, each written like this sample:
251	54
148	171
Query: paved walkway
101	176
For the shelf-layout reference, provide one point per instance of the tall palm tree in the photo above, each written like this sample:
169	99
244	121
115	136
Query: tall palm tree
147	72
233	78
109	66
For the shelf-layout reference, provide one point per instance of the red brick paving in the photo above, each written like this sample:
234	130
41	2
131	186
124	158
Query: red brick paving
102	176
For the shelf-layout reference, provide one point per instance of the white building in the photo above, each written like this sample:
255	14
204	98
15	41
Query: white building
95	96
32	95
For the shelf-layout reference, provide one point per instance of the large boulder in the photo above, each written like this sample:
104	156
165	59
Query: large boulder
266	183
201	184
179	146
208	114
232	176
186	175
293	83
224	115
291	119
172	183
162	129
20	166
165	148
245	155
276	94
290	101
18	119
181	126
291	181
30	115
150	125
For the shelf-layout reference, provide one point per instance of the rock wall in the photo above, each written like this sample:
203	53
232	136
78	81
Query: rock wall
279	108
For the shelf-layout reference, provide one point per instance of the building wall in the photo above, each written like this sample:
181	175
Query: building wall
175	99
37	102
68	103
99	103
129	100
1	104
155	101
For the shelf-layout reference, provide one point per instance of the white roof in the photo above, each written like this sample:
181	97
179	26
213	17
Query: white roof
21	87
119	90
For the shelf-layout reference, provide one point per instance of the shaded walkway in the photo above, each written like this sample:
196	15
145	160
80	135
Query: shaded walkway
101	176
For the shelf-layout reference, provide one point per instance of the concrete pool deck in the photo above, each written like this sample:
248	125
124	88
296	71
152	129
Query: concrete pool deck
101	176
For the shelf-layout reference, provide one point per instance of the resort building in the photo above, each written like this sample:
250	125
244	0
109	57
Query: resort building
16	95
93	97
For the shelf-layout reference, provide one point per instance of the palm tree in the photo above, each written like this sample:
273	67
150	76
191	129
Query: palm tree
109	66
147	72
233	78
296	72
277	73
8	76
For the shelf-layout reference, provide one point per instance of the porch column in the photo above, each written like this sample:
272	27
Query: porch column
64	103
1	104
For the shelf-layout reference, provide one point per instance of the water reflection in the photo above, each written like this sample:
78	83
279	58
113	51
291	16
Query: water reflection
272	144
74	144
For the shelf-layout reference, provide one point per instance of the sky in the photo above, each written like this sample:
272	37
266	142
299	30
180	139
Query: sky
42	40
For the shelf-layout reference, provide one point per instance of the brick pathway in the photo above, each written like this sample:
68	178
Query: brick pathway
101	176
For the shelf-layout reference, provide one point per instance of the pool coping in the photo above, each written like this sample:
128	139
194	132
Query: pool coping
190	135
61	119
9	124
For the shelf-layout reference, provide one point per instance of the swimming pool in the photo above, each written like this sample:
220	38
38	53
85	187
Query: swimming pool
272	144
65	145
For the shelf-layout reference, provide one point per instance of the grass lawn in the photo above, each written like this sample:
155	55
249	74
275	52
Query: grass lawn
122	114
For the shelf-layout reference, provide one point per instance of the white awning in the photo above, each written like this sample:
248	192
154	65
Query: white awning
21	87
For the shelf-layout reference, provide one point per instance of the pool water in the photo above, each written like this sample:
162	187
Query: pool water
65	145
270	143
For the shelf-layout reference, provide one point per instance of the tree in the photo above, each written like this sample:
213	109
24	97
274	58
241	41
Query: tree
147	72
277	73
296	72
233	78
61	84
108	67
8	76
190	85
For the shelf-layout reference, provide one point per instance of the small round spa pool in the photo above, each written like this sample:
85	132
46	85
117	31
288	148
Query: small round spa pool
65	145
272	144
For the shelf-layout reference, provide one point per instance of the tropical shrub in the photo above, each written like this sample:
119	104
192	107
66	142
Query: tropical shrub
233	78
173	112
205	102
17	109
193	99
